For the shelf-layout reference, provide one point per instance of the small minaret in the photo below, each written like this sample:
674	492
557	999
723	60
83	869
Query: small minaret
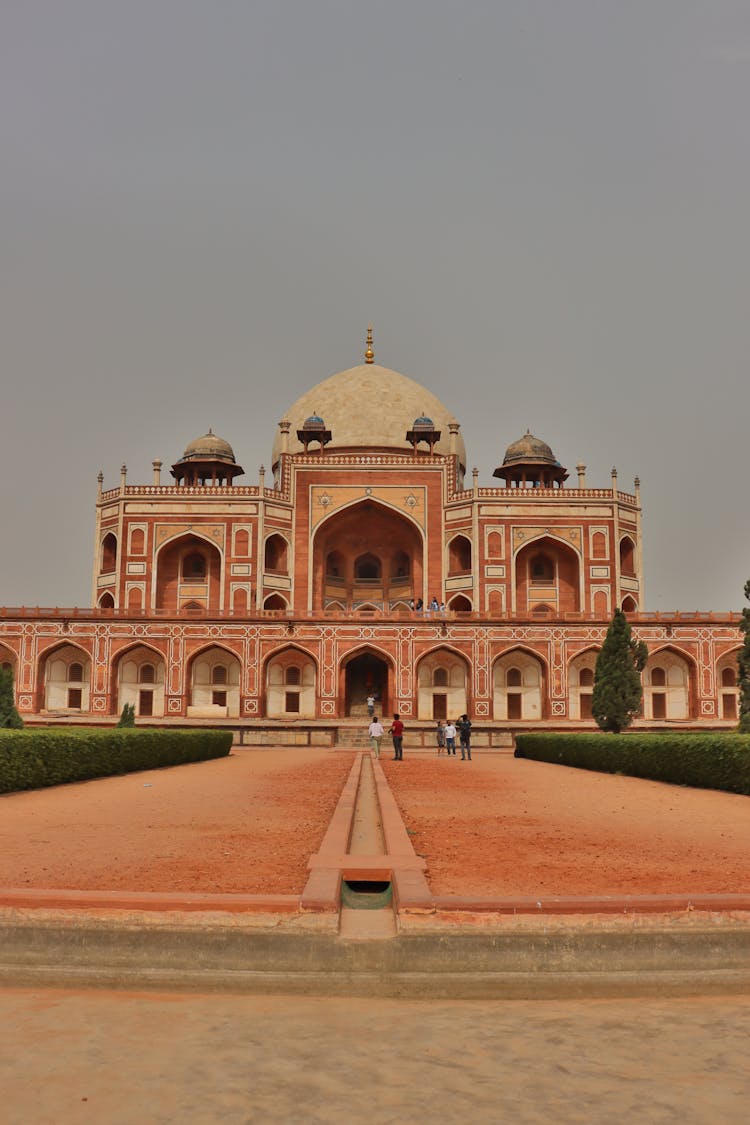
156	466
581	470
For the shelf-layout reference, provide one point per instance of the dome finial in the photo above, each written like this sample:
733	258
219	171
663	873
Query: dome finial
369	352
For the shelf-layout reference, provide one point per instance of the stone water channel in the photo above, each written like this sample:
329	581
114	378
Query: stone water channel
366	907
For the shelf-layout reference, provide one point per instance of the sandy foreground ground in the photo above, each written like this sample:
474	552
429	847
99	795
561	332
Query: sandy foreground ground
504	826
119	1058
491	827
244	824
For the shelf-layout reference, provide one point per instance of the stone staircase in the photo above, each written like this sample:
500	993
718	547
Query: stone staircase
355	736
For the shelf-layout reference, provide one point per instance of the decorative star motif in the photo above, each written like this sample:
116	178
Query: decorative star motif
411	500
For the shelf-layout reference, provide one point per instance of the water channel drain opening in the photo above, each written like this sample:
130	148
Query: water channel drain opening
364	894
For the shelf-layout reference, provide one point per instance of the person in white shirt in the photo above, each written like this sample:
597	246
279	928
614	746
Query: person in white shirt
376	732
450	737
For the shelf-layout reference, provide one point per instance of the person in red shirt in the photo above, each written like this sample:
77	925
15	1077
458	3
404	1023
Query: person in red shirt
397	731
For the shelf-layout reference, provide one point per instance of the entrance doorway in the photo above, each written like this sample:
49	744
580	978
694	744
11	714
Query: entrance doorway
439	705
365	675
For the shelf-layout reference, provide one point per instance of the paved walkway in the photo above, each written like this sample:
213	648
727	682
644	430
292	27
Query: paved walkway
119	1058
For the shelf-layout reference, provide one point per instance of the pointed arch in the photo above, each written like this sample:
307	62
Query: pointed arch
289	696
366	670
460	555
276	553
65	677
108	558
133	685
443	675
276	603
727	684
627	557
212	695
366	551
547	571
669	684
178	578
581	671
519	676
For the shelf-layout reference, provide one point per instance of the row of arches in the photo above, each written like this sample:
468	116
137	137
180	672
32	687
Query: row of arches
519	681
368	558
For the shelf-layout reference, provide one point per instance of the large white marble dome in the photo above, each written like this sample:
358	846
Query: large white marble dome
369	407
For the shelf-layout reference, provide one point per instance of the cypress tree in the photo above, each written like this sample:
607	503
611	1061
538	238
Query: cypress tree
618	690
127	718
743	664
9	716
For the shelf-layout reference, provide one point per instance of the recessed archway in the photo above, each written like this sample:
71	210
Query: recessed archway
365	673
290	684
214	677
442	685
66	679
188	570
518	686
547	572
139	674
367	554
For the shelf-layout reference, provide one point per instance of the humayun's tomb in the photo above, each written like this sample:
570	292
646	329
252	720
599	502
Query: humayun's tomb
367	564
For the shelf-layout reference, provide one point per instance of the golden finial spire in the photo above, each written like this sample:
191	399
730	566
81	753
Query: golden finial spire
369	353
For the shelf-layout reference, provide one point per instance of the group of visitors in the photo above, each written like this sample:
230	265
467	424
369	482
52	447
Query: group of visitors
376	732
434	606
446	737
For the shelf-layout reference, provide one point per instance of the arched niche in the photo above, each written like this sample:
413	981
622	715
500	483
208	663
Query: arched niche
547	572
106	601
188	570
668	686
290	685
629	605
581	672
276	554
460	604
627	557
66	679
442	685
109	553
366	553
518	691
365	671
275	603
459	556
727	686
214	678
139	673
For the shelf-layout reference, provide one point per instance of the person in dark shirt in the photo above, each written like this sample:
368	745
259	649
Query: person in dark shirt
397	733
463	726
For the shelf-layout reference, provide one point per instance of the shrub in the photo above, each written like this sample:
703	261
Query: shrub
33	759
9	717
127	718
706	761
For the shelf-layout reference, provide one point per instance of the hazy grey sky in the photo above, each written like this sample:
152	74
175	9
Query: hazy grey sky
542	206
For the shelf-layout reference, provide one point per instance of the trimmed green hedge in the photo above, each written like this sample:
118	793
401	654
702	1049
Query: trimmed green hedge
706	761
35	758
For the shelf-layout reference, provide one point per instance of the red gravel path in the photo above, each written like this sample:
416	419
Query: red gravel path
503	826
243	824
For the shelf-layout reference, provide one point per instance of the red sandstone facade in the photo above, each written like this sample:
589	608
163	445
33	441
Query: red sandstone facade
213	599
